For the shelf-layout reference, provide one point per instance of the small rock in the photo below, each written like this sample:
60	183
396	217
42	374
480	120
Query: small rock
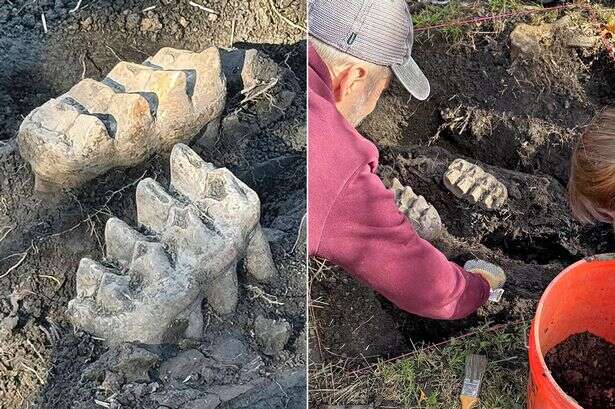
112	382
183	22
271	335
151	24
190	363
87	23
132	21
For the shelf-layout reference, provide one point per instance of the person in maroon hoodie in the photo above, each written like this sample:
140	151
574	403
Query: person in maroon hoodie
355	47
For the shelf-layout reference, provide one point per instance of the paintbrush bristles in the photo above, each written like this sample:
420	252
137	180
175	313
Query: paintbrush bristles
475	366
475	370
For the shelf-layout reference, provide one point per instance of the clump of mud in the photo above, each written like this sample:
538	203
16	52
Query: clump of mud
584	367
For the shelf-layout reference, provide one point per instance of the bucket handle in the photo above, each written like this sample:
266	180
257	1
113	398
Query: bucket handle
600	257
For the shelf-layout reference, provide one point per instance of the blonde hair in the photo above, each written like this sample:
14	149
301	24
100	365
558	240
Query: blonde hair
591	187
332	57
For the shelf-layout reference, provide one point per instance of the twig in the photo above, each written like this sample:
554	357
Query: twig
259	92
259	293
150	8
284	18
299	233
25	254
34	372
44	20
76	7
83	64
6	233
233	33
114	53
51	278
200	6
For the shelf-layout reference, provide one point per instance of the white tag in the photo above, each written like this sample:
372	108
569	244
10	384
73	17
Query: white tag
496	295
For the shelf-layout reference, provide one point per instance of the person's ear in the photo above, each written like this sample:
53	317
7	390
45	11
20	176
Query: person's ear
348	80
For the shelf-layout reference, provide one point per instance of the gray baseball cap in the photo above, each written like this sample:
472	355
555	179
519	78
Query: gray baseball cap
378	31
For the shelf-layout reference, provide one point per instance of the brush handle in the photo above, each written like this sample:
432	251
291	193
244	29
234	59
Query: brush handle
468	402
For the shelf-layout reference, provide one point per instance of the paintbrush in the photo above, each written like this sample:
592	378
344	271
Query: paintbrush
475	369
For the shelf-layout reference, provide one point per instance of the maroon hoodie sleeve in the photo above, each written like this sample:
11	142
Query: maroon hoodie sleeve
369	237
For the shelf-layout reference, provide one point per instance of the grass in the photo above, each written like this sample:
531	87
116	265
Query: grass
431	377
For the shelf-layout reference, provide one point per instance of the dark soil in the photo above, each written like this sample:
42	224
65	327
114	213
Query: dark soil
44	362
584	367
495	111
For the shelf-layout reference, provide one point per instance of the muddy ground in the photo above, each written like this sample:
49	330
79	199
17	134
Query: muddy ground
517	117
44	362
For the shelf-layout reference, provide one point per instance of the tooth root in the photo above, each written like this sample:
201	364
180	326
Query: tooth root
222	292
121	240
153	205
259	262
188	171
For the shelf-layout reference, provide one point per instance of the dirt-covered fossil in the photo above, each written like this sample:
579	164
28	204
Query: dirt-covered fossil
470	182
152	283
136	110
423	216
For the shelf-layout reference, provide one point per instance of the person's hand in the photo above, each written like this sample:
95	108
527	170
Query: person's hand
494	275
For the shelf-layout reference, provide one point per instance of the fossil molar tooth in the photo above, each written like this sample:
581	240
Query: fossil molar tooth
136	110
151	286
472	183
423	216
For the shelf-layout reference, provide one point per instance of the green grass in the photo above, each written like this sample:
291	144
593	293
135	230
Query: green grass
432	15
501	6
432	378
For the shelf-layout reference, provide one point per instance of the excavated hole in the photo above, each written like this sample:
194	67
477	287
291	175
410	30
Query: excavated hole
538	250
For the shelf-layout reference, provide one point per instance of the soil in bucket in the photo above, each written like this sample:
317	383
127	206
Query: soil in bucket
584	367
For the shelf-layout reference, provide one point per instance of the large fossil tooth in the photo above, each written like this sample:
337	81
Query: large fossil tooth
152	285
470	182
137	110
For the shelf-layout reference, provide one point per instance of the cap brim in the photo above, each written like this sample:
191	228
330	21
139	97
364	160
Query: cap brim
413	79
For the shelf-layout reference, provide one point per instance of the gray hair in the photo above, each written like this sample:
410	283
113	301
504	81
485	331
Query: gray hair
332	56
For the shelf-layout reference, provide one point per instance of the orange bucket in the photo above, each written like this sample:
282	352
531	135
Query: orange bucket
581	298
